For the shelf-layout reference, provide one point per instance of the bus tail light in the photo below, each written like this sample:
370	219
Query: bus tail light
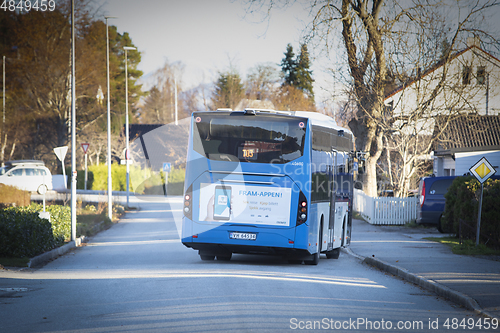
422	195
302	210
188	203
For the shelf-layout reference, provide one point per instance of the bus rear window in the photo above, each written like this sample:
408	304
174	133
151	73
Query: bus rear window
253	139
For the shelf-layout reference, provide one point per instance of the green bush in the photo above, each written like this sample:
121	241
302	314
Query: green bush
118	177
23	233
142	181
462	203
176	175
80	179
60	218
100	177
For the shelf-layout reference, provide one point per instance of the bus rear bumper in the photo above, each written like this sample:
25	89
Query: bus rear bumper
217	242
227	249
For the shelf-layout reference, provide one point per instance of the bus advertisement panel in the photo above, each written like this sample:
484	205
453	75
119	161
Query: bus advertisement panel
245	204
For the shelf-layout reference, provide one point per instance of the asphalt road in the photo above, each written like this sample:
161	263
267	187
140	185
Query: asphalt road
137	276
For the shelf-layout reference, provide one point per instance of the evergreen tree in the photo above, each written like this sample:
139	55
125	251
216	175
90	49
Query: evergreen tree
228	90
304	80
289	67
296	72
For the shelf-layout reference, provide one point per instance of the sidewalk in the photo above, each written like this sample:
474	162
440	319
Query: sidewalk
467	280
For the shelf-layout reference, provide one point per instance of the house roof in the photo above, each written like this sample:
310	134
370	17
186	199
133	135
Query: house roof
468	133
137	130
159	143
435	67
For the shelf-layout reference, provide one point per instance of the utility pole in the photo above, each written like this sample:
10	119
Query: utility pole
127	152
175	97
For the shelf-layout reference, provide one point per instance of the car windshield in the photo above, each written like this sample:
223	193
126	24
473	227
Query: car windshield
4	170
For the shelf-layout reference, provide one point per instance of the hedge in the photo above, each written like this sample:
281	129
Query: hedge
142	181
80	179
462	203
60	218
24	234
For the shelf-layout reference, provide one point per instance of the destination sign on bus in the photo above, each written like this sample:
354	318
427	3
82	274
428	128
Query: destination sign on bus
247	154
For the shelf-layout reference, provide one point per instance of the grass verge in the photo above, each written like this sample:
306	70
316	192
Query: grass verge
468	246
358	216
14	262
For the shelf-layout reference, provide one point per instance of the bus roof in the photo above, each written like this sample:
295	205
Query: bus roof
319	119
316	118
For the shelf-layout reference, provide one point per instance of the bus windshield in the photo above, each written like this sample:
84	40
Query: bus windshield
253	139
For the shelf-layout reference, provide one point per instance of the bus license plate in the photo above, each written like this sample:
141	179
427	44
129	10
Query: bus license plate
242	235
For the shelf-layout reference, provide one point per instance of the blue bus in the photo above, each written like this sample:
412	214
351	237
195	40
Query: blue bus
268	182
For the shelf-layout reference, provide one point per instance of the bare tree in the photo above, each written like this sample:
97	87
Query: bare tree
289	98
375	35
159	106
262	81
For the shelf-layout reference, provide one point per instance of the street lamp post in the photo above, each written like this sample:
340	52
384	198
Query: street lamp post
73	126
110	188
127	153
3	103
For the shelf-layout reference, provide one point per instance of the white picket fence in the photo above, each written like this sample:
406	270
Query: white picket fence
385	210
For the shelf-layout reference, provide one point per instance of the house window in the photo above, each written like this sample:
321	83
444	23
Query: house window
449	172
388	109
481	75
466	75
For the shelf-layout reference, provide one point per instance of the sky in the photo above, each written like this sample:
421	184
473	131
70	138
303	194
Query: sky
207	36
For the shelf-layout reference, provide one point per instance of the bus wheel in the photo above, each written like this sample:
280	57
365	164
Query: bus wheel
225	258
315	260
342	235
206	257
333	254
295	261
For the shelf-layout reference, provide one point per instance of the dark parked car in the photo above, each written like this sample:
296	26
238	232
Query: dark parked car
432	201
431	192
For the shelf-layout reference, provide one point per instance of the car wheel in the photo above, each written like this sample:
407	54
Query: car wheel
42	189
440	224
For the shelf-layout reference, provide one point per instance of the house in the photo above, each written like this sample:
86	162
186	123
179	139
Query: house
472	85
254	104
463	116
466	140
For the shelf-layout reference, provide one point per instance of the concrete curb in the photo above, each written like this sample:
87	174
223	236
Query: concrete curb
47	256
437	288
